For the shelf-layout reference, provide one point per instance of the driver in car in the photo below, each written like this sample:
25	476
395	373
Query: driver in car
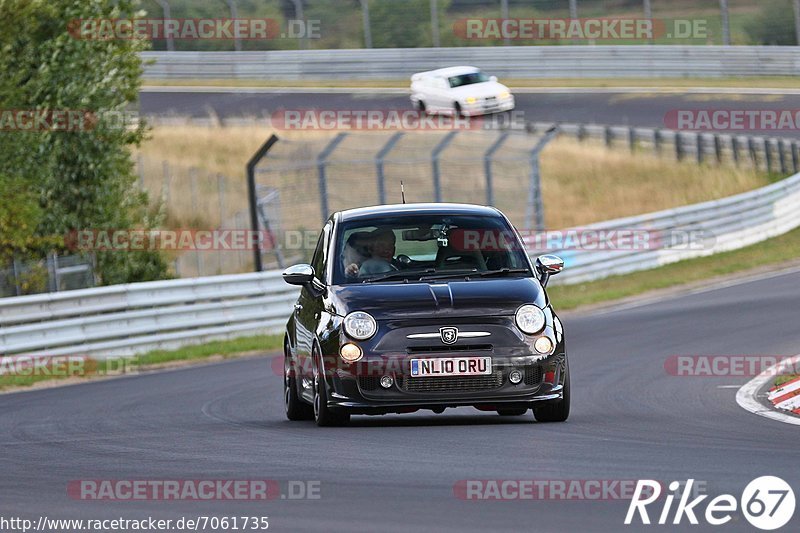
382	247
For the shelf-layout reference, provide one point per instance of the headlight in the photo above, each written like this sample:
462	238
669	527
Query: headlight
350	352
505	94
530	319
543	345
360	325
470	100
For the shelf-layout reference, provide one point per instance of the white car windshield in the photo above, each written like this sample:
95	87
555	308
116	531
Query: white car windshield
467	79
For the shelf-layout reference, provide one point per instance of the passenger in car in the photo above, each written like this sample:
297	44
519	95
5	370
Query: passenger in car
356	251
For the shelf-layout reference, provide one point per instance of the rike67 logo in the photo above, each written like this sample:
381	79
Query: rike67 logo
767	503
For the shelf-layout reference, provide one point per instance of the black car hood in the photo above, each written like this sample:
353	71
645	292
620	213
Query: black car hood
453	298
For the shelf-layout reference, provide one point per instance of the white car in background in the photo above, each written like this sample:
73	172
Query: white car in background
461	91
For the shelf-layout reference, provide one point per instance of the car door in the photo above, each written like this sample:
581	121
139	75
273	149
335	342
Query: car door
440	89
432	93
309	309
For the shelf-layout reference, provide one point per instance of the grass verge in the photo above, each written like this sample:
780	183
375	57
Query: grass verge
74	369
780	380
225	349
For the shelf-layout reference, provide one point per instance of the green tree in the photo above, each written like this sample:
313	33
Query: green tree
84	178
773	25
20	214
400	24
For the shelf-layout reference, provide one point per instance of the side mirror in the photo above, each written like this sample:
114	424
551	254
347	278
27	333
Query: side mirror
548	265
298	274
493	78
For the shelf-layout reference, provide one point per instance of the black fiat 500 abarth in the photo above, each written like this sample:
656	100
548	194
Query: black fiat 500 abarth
423	306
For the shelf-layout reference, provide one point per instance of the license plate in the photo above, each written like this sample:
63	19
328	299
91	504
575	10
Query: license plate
451	366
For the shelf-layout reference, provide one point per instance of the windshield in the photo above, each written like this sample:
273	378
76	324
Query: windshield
467	79
415	248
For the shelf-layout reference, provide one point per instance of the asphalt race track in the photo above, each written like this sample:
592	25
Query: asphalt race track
630	420
631	109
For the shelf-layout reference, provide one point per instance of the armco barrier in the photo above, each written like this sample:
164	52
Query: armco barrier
127	319
773	154
507	62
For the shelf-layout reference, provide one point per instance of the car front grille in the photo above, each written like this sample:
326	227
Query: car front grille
451	383
533	375
368	383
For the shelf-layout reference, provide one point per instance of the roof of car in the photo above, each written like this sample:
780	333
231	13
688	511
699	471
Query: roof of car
451	71
420	209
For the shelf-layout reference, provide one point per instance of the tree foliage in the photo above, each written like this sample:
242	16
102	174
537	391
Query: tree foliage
82	178
774	25
400	24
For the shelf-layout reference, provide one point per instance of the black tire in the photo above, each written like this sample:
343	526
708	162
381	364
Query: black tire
421	107
457	112
512	411
296	409
557	411
323	415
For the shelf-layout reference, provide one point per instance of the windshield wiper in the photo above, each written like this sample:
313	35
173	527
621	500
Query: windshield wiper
398	274
463	273
475	272
503	271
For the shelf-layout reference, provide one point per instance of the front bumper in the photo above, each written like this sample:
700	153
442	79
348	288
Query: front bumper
357	390
486	106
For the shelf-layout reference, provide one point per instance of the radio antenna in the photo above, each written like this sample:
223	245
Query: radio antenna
402	191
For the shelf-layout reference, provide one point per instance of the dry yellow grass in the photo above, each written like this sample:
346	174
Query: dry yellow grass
215	149
590	183
582	183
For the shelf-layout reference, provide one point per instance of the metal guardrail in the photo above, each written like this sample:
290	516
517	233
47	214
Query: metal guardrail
773	154
127	319
507	62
